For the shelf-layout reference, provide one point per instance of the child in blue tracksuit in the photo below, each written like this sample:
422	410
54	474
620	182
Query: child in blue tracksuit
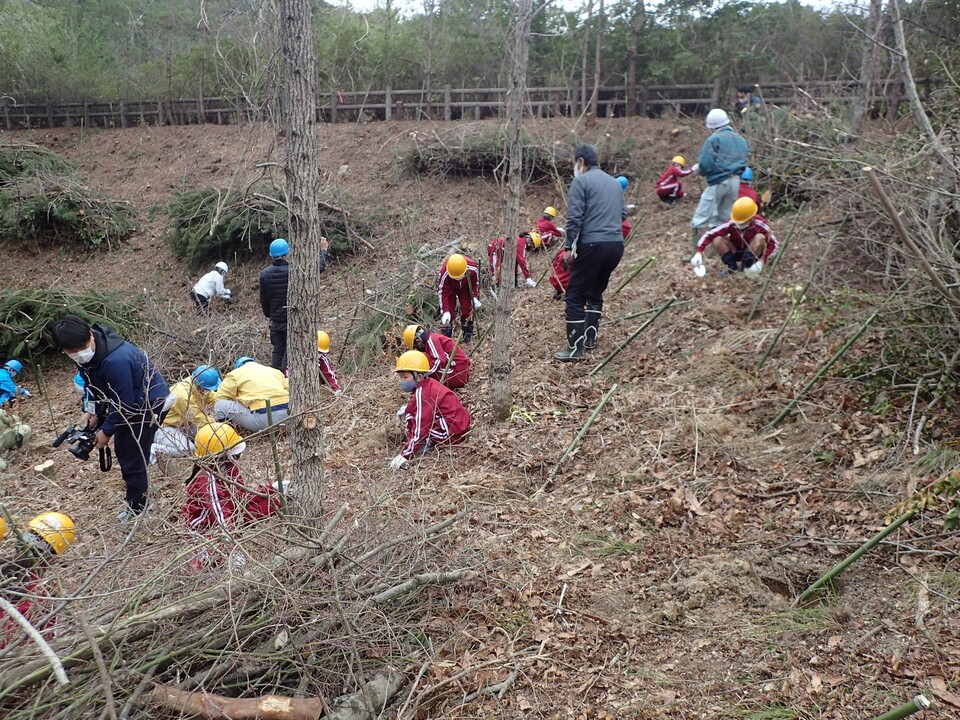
9	389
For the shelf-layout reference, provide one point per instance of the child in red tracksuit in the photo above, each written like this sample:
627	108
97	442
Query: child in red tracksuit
434	416
549	232
21	579
459	283
217	498
669	187
323	362
560	275
454	372
497	249
745	242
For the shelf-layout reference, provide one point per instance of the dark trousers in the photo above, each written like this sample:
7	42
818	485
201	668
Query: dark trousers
202	302
278	338
589	277
131	444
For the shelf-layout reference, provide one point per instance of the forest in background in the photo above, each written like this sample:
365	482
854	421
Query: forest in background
74	50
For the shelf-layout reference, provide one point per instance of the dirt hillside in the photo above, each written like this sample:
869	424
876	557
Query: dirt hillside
655	577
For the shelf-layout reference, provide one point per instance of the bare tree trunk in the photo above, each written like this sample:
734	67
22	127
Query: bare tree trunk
633	55
583	59
298	101
597	56
868	63
911	88
500	374
429	7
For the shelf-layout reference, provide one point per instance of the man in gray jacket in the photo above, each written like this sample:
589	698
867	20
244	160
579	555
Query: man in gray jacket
593	248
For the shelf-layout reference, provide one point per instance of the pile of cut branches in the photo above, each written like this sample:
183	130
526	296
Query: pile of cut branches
309	615
26	316
212	224
481	151
50	208
17	160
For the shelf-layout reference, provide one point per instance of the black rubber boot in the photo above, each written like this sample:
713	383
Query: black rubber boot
574	350
468	332
592	326
446	330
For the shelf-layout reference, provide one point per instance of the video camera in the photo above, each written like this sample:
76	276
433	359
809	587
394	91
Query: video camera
81	443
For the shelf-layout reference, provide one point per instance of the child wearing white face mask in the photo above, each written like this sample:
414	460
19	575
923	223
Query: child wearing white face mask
745	243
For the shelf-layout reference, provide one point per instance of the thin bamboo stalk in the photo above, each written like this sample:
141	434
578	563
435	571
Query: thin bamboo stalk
920	702
576	441
660	311
854	556
634	273
272	431
821	372
774	265
633	230
653	310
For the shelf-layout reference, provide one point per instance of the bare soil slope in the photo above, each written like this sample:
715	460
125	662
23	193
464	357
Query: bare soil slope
655	577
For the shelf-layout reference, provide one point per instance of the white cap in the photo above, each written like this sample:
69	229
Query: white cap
717	118
222	266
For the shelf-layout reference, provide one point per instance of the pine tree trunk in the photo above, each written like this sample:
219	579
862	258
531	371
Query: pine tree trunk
597	58
633	56
585	106
303	295
500	374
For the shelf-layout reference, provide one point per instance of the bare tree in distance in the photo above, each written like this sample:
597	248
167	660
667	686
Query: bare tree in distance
502	395
868	64
298	108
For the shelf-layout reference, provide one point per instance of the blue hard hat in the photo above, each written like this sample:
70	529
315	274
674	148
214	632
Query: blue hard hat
623	182
279	248
206	377
747	175
13	366
243	361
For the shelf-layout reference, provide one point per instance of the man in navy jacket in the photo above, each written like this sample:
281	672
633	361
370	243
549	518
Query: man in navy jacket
128	395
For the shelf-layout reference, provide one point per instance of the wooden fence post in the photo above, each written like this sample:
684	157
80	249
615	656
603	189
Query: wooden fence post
123	115
715	94
86	114
333	107
387	103
447	112
6	113
49	115
574	101
642	110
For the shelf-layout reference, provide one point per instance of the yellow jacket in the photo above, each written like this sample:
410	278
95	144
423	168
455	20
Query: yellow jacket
190	407
252	384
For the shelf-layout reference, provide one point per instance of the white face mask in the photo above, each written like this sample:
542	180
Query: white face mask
82	356
578	169
742	226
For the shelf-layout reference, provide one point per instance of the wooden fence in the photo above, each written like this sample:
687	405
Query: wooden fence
440	104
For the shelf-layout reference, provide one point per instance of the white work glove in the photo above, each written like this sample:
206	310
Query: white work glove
754	269
477	304
402	413
697	260
337	393
26	393
563	231
696	167
445	319
227	294
398	462
531	283
631	209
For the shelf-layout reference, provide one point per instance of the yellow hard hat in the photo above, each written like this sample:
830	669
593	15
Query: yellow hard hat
679	160
456	266
410	335
413	361
551	211
743	209
537	240
215	438
323	341
55	529
3	528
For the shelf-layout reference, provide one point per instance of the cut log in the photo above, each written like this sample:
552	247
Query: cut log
217	707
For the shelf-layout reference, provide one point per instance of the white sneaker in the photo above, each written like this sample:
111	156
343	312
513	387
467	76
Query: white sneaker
128	514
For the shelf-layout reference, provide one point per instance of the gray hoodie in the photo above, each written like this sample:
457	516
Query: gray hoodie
595	209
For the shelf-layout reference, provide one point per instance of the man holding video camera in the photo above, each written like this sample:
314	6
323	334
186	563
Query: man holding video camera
128	394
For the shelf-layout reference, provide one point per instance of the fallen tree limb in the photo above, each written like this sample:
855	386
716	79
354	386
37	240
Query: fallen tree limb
368	702
217	707
422	580
37	638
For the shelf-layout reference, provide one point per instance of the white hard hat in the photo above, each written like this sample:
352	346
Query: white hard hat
221	266
717	118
